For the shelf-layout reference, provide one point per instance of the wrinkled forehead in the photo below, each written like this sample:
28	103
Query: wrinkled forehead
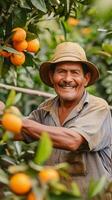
68	64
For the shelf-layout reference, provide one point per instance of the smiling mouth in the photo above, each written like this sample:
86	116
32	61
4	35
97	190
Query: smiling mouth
67	85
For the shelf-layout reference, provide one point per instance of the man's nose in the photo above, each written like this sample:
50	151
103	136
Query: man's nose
68	77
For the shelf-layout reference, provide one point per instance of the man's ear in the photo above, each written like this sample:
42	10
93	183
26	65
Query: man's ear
87	78
51	76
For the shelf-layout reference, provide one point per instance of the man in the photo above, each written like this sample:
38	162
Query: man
78	123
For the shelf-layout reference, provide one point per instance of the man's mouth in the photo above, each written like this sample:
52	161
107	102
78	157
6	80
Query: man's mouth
67	85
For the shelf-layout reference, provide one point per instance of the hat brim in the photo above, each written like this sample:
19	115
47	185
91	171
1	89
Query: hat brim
45	68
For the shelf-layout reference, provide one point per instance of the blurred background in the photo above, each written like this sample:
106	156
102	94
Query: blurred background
88	22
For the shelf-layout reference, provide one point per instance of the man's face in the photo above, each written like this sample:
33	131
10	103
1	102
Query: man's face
69	81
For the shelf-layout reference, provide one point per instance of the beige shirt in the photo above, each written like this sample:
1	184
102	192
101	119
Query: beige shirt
92	119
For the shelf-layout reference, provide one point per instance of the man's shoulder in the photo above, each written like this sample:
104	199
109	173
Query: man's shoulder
98	102
47	103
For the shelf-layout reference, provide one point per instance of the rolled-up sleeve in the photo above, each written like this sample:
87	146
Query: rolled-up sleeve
96	127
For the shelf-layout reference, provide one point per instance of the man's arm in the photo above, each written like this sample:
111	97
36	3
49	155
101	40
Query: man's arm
62	138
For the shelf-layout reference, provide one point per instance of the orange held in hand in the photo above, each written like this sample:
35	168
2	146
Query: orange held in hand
17	59
12	122
48	174
33	45
20	46
19	34
20	183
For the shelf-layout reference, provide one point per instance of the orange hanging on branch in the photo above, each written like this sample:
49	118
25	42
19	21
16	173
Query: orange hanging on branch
33	45
19	34
17	59
20	183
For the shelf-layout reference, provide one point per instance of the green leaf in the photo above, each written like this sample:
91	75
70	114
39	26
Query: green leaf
31	36
75	189
11	98
44	149
58	188
3	177
9	49
19	17
107	47
96	187
28	60
8	160
17	98
6	137
40	5
18	147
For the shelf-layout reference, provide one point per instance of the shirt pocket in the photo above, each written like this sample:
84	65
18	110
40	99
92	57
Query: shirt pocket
78	163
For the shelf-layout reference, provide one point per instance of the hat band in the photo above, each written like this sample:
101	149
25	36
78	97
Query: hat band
71	57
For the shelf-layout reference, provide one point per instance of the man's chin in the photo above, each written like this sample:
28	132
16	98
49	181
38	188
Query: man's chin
68	98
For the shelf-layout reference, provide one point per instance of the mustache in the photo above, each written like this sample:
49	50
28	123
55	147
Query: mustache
67	84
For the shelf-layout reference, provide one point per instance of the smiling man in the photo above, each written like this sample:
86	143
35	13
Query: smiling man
78	123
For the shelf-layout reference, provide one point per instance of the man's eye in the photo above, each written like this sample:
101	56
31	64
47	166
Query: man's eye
75	72
60	71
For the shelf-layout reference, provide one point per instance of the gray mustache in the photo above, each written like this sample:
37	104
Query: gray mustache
65	84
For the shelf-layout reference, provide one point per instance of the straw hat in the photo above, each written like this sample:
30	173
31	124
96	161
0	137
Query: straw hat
68	51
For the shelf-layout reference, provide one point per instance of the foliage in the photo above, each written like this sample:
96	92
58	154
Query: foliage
30	159
20	157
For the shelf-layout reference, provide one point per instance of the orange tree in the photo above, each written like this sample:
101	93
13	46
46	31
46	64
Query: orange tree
20	58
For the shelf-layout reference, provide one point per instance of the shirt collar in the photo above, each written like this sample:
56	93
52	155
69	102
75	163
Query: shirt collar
53	102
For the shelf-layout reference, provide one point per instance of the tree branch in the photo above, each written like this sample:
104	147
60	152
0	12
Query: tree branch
27	91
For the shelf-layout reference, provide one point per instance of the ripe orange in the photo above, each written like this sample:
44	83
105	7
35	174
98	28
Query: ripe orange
5	54
72	21
20	46
31	196
20	183
48	174
19	34
33	45
12	122
86	31
17	59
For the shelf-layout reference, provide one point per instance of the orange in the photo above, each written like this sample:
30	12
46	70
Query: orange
72	21
31	196
20	46
17	59
20	183
48	174
86	31
12	122
33	45
19	34
5	54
